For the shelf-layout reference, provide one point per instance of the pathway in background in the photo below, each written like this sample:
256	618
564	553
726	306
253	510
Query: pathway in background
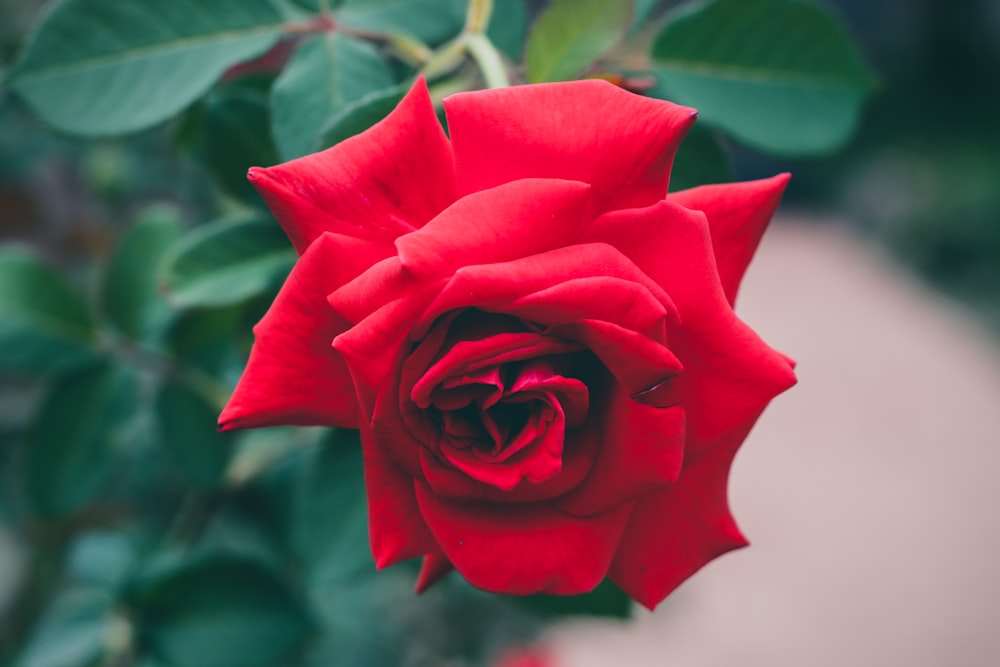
870	492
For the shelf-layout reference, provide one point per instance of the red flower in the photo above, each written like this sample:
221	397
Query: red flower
538	347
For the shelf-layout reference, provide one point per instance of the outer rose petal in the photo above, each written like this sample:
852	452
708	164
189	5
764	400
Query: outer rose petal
737	214
676	531
294	376
396	530
588	131
730	374
497	225
378	185
434	567
524	549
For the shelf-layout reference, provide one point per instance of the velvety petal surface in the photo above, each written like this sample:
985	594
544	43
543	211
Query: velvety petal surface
674	532
433	568
642	451
738	214
503	223
396	528
294	376
387	181
730	374
523	549
588	131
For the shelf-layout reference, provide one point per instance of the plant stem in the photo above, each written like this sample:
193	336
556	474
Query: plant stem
488	59
477	17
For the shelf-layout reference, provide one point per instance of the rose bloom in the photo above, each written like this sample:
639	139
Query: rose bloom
536	342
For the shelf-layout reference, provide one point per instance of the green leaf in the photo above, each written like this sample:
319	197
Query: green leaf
230	132
508	27
643	10
327	73
220	611
780	75
361	114
108	67
102	559
606	600
431	21
226	262
571	34
74	632
44	325
188	429
700	160
329	517
128	291
74	435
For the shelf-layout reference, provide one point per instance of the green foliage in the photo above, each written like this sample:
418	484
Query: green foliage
220	611
327	73
74	436
700	160
361	114
101	67
129	296
230	131
73	633
226	262
571	34
45	326
780	75
606	600
187	426
431	21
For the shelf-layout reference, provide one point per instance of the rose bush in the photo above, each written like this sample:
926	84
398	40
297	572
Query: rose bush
536	343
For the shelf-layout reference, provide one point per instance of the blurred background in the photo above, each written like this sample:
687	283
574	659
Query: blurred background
869	492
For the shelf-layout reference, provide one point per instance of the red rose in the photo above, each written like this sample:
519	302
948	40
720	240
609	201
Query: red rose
538	348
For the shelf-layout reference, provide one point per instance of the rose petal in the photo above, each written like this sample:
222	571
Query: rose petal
396	529
378	185
434	567
294	376
523	549
579	450
730	374
589	131
642	450
634	360
738	214
500	224
501	287
676	531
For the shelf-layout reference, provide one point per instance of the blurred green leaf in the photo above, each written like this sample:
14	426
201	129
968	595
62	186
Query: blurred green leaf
230	132
188	428
571	34
128	290
226	262
431	21
220	611
780	75
329	516
509	27
700	160
44	325
327	73
606	600
102	559
206	338
643	10
74	632
107	67
361	114
73	437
